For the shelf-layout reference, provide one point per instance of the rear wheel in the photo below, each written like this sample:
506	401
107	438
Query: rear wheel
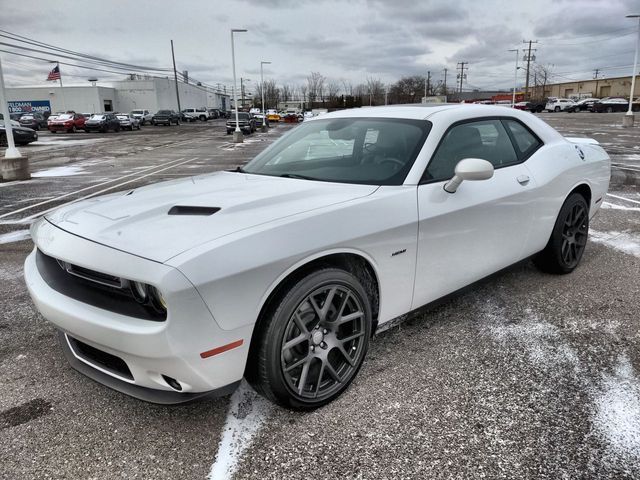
568	238
557	109
312	343
609	109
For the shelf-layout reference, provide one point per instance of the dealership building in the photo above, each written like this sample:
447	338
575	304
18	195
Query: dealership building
599	88
136	92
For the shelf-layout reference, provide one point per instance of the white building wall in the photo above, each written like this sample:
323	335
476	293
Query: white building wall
87	99
146	93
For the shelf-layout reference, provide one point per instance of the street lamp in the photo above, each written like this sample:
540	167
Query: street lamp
627	121
515	79
237	134
264	114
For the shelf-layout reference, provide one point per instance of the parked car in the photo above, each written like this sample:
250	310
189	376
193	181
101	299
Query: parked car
610	105
66	122
246	123
521	106
583	105
34	120
558	104
128	121
201	114
215	113
279	272
21	135
102	122
166	117
273	115
188	117
537	106
260	119
145	116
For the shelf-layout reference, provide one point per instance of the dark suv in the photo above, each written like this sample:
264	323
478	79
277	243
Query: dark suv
102	122
166	117
34	120
246	123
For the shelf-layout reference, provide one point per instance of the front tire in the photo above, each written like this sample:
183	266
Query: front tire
311	343
568	238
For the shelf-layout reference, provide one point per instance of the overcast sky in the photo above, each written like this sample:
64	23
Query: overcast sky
345	41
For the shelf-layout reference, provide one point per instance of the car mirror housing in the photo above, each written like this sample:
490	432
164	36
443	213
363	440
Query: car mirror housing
469	169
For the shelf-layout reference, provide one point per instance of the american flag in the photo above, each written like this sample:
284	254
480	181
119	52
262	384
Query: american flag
54	74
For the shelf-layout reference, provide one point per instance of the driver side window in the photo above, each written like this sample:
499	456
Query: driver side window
485	139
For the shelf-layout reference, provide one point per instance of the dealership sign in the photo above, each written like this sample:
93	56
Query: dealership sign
30	106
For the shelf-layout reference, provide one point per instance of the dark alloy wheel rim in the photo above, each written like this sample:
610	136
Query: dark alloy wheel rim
323	342
574	235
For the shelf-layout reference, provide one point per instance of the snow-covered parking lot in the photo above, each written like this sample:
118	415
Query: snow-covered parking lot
527	375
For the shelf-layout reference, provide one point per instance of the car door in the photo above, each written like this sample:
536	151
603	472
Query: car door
483	226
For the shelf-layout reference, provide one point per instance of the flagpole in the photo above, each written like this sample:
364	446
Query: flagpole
64	103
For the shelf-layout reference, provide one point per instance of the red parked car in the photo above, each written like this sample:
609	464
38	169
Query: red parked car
66	122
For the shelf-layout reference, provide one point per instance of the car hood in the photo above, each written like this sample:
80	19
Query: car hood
139	222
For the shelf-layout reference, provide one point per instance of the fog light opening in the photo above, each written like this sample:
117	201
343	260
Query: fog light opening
172	382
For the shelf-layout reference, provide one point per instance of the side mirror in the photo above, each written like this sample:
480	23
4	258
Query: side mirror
469	169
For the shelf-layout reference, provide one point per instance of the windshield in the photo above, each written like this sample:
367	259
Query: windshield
97	117
136	112
13	124
123	117
373	151
164	112
65	117
27	117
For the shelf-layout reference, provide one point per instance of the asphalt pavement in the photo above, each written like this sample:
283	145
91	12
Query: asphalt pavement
526	376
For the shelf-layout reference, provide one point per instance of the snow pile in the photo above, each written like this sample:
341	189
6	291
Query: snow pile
16	236
65	171
247	412
617	411
622	241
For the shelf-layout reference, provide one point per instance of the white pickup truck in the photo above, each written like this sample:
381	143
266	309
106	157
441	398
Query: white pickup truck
144	116
201	114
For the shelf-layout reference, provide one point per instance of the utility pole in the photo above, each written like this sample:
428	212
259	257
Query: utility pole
515	79
428	83
528	58
445	82
595	76
175	77
461	75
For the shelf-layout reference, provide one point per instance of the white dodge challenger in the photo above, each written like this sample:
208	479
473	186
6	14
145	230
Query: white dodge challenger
281	271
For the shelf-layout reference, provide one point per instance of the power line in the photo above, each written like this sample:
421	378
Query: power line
85	57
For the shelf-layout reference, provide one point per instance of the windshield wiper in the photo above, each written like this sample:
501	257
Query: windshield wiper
295	175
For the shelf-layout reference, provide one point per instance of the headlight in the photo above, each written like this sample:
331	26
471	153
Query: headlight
139	291
148	295
157	300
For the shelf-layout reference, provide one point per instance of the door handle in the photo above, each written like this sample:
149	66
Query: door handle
523	179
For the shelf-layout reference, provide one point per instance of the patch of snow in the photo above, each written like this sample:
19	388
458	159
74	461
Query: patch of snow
617	412
247	412
66	143
65	171
16	236
622	241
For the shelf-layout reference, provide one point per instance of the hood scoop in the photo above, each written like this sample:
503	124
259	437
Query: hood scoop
192	210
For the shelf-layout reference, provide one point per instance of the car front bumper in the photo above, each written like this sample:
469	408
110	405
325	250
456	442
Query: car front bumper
151	351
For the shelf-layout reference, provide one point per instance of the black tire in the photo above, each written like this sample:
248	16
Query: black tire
203	118
557	109
568	238
609	109
332	348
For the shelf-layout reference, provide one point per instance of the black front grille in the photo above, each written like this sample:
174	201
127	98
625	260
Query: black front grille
105	360
91	287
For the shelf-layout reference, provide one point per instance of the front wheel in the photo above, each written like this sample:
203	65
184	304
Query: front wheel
557	109
312	342
568	238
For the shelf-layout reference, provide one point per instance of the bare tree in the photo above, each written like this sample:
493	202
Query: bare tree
375	89
333	88
286	92
315	86
407	89
542	75
303	93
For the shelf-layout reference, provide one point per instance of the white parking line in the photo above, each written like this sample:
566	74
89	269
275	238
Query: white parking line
623	198
28	207
108	188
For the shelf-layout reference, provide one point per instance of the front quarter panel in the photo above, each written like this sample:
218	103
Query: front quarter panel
236	274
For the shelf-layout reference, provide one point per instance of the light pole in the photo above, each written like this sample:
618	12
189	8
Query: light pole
515	79
627	120
264	114
13	166
237	134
